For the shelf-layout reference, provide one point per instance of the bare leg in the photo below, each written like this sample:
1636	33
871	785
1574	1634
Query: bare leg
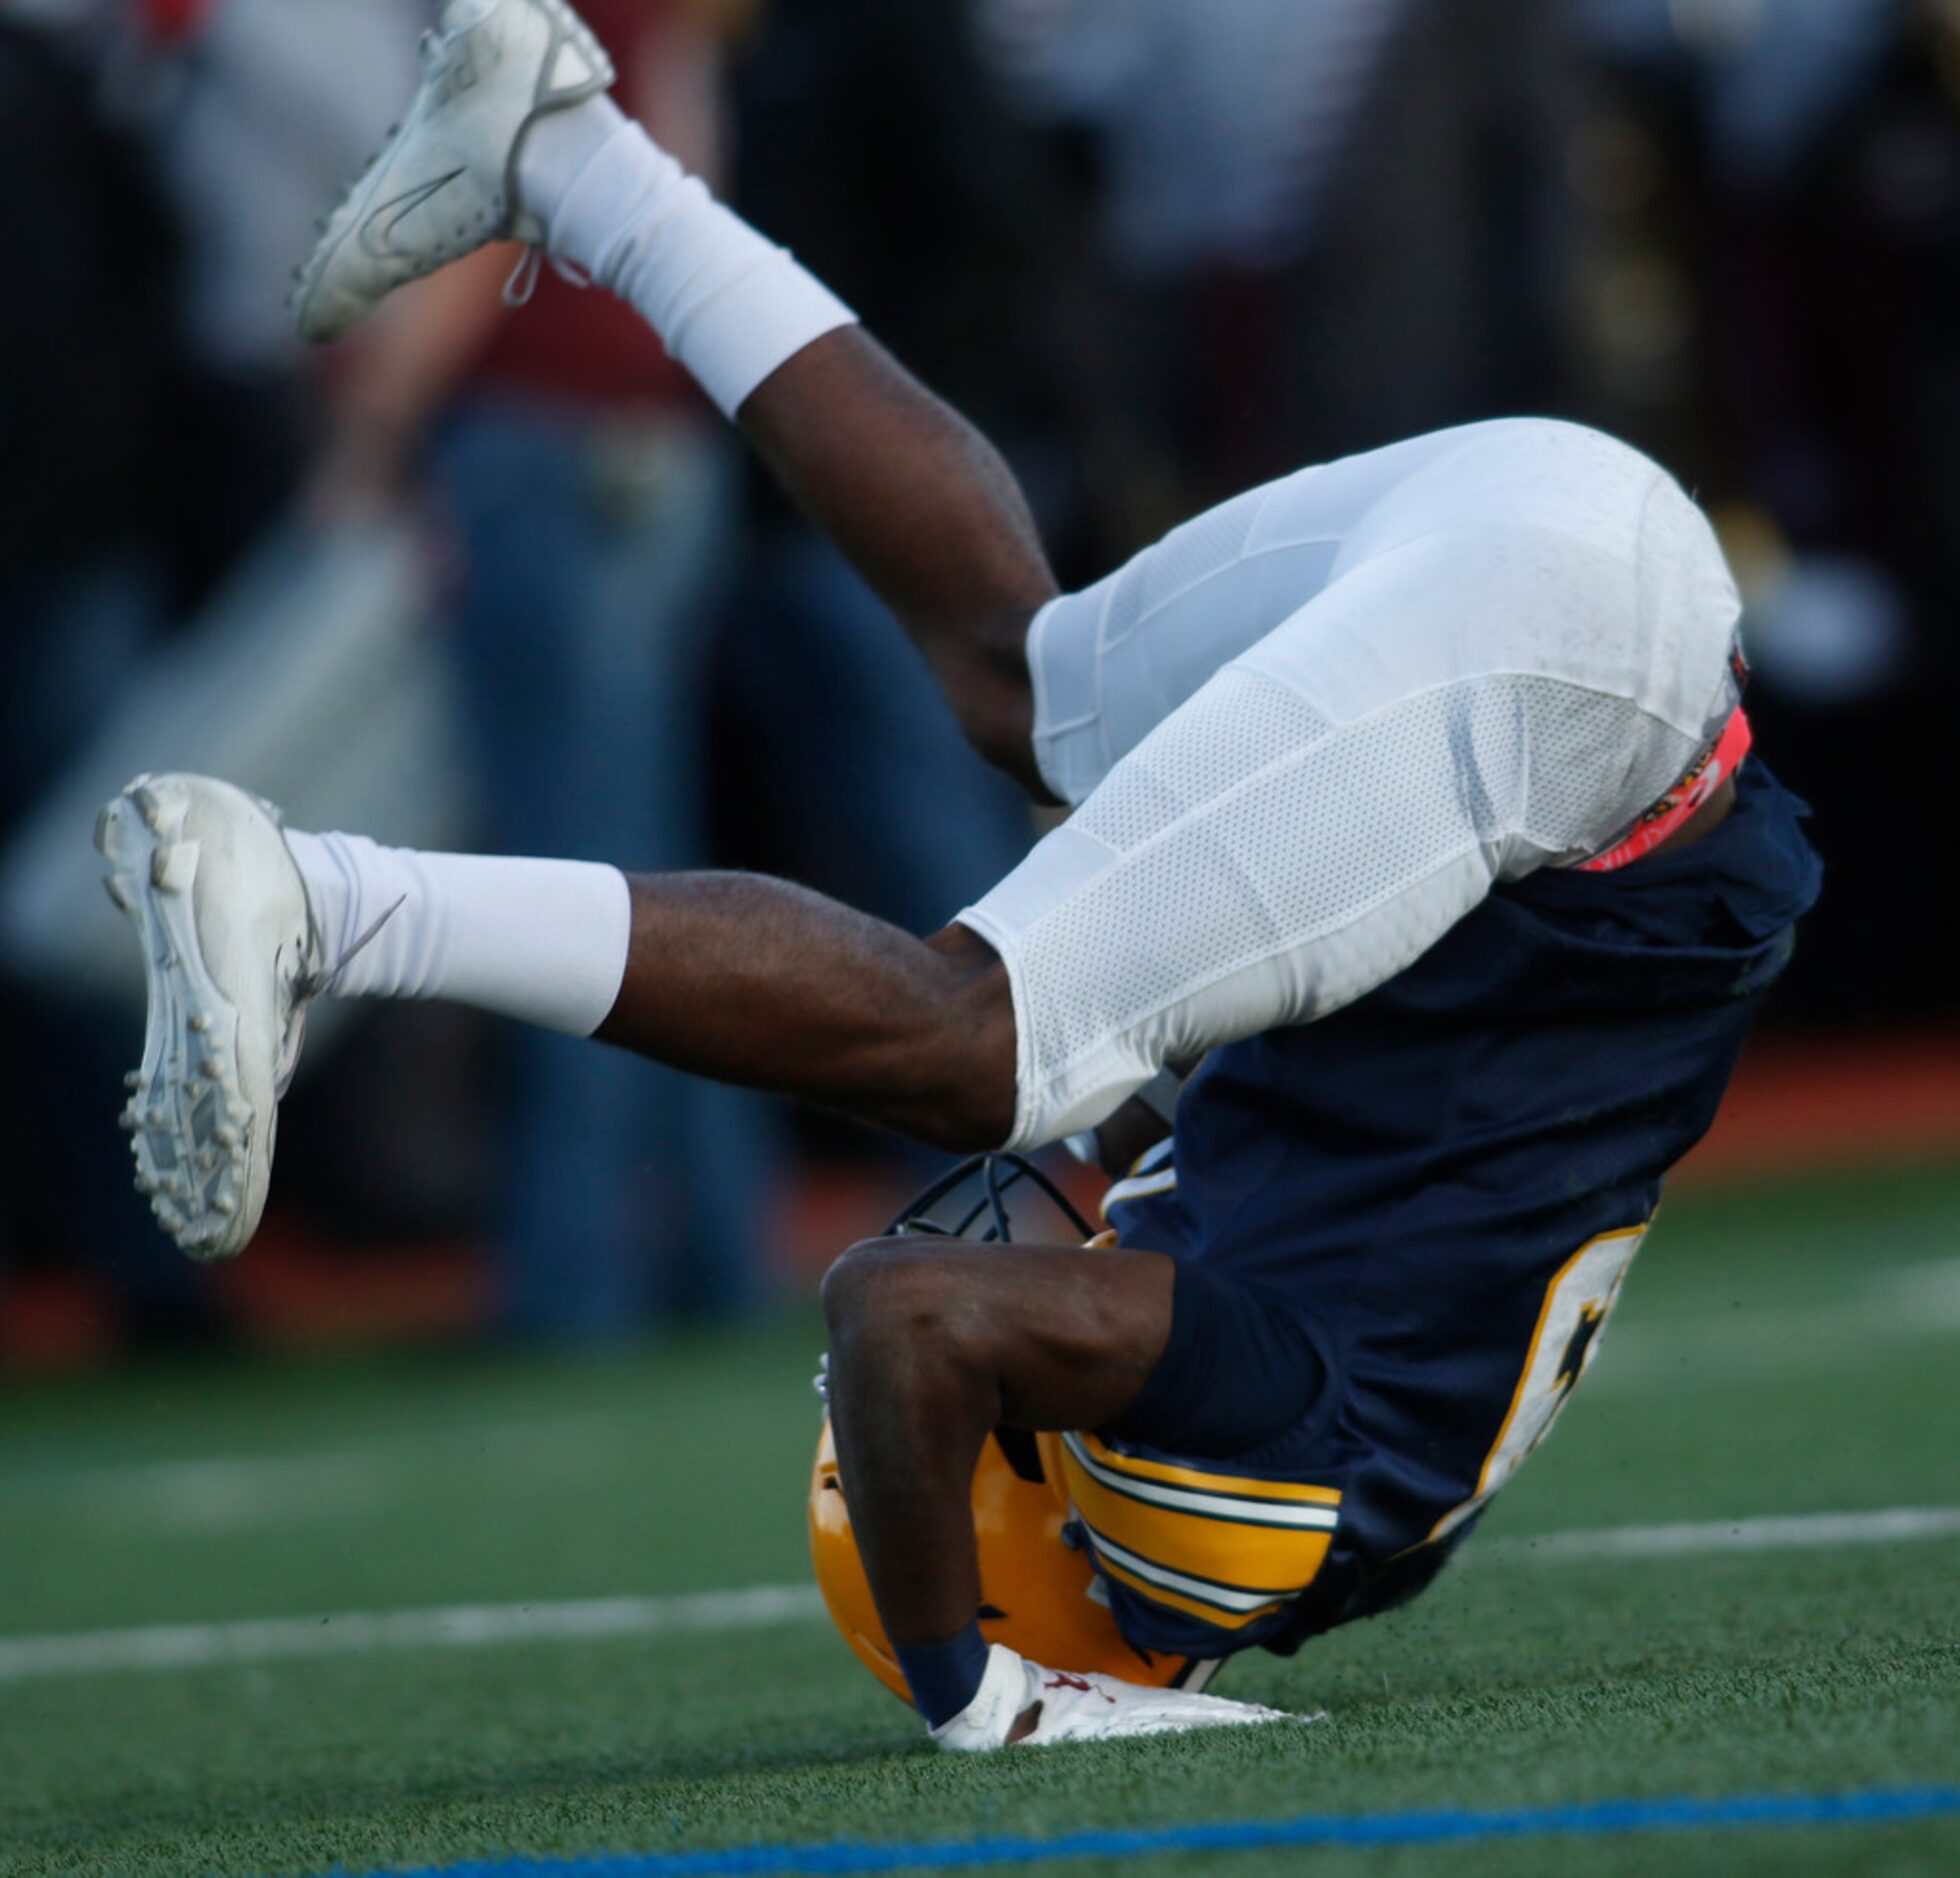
932	1346
928	512
759	982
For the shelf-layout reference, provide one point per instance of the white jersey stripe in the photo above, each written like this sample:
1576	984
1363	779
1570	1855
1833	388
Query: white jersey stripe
1246	1510
1138	1187
1200	1590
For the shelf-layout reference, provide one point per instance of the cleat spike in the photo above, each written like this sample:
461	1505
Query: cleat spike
132	1079
199	1022
224	1204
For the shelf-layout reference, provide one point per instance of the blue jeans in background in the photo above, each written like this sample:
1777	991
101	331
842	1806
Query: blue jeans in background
595	550
873	794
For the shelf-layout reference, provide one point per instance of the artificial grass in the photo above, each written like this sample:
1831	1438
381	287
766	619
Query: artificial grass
1779	1351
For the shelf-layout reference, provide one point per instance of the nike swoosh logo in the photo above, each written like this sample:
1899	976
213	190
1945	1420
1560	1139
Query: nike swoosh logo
377	231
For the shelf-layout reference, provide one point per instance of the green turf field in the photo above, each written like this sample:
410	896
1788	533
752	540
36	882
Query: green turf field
1780	1352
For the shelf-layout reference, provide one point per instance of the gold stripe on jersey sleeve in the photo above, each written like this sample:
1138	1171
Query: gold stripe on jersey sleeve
1194	1554
1171	1474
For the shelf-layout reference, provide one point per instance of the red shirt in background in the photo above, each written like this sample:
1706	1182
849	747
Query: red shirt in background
582	345
171	22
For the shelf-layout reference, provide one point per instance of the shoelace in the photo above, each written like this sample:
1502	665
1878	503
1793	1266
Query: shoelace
523	282
310	985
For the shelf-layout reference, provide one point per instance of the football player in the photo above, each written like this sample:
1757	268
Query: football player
1410	806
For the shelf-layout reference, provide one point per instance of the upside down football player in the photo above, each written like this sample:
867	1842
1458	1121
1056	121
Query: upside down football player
1409	806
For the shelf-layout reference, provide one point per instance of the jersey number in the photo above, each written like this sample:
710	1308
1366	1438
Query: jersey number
1574	1312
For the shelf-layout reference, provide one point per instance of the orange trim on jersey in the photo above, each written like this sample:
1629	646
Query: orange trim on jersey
1719	762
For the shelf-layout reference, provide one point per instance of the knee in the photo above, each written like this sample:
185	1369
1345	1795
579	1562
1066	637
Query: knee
895	1298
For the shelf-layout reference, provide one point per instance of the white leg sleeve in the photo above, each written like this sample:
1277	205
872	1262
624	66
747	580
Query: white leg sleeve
1458	710
540	941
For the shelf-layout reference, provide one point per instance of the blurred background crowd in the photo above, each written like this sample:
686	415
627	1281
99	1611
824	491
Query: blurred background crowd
497	577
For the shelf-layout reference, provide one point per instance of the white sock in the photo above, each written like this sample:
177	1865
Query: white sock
728	304
541	941
557	146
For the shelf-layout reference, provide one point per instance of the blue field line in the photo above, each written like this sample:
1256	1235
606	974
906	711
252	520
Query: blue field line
1878	1805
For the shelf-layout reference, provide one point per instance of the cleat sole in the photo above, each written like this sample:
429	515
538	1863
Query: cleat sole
191	1026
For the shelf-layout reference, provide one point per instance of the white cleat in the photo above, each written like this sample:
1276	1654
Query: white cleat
1082	1708
445	181
232	959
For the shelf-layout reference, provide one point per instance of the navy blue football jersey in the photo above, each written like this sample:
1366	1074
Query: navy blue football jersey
1442	1186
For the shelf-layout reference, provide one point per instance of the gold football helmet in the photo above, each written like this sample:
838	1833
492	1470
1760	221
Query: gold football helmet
1038	1592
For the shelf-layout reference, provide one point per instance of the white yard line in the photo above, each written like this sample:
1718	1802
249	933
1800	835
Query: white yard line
1896	1307
250	1492
1796	1531
760	1607
362	1633
60	1477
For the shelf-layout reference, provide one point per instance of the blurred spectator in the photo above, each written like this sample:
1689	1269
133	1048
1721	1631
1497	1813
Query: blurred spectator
1160	249
90	380
170	421
1221	125
1796	216
1768	73
252	140
593	497
871	144
1339	224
